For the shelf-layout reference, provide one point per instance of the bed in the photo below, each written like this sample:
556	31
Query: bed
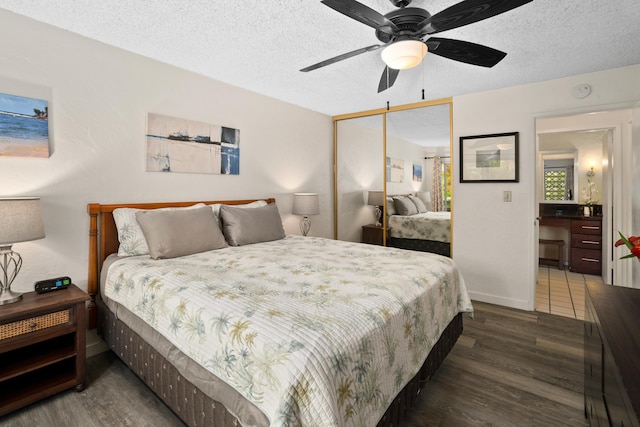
311	331
412	226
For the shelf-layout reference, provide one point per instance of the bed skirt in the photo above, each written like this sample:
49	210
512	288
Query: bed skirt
197	409
433	246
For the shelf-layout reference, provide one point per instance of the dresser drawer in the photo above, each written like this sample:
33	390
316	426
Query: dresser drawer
586	260
586	227
33	324
586	241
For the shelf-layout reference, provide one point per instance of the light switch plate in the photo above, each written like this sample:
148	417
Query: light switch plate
507	196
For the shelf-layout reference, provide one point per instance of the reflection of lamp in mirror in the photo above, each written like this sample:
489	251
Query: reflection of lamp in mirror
425	196
591	172
376	198
20	221
305	204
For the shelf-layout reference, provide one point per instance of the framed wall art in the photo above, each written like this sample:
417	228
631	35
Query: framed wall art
489	158
187	146
395	170
417	172
24	126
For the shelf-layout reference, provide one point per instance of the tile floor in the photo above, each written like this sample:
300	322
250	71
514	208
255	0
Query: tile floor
561	292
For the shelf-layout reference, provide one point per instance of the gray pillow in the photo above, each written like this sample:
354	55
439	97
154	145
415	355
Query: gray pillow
419	204
171	234
245	226
404	206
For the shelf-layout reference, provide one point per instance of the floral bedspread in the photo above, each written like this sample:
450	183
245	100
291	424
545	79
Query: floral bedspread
424	226
313	331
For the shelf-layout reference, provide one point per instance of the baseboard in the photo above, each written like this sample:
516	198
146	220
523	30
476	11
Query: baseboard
95	345
507	302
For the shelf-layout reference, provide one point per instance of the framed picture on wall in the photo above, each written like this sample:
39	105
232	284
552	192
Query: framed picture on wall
489	158
24	126
188	146
395	170
417	172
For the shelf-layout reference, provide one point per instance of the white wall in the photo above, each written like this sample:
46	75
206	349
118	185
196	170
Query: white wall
494	241
98	100
360	169
411	153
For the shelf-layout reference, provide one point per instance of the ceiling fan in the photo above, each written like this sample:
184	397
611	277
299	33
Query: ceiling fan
405	34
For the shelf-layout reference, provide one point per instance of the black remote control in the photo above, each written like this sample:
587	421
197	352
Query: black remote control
49	285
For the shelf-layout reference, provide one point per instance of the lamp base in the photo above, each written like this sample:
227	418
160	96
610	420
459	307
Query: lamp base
7	296
10	264
377	213
305	225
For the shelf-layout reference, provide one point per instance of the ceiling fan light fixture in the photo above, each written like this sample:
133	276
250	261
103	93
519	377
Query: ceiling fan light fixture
404	54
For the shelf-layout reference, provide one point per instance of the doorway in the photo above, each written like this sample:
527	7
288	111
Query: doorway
595	181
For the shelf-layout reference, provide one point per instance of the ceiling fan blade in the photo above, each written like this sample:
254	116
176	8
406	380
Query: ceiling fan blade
470	53
467	12
341	57
362	13
388	78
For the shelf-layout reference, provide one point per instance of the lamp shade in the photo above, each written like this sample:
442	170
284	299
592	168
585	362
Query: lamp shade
305	204
404	54
20	220
376	198
425	196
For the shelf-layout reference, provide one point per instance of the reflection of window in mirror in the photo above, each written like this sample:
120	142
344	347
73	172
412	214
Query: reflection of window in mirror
558	179
558	183
446	184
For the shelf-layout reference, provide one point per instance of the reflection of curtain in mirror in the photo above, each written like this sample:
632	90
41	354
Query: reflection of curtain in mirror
437	203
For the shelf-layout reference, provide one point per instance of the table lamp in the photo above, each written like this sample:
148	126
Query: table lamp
305	204
20	221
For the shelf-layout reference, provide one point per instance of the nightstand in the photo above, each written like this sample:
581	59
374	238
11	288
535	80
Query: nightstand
372	234
42	346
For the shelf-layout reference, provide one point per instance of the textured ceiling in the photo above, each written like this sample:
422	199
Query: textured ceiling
261	44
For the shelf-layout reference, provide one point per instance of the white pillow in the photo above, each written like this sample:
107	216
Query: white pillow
130	236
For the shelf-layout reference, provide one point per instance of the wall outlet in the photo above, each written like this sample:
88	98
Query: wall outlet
507	196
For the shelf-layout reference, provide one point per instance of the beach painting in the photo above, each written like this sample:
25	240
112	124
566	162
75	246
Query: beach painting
186	146
24	126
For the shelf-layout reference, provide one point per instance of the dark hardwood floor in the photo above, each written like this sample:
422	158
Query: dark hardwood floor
509	368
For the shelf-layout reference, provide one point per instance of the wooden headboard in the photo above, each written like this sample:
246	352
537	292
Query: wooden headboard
103	238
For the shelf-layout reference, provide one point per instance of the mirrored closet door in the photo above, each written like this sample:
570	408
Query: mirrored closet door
385	155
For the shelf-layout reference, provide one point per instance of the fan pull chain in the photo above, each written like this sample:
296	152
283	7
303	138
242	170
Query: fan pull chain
386	72
423	79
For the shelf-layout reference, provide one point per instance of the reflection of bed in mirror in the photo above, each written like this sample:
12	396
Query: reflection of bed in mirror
412	226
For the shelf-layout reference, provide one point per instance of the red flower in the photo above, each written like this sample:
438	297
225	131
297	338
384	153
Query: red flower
632	242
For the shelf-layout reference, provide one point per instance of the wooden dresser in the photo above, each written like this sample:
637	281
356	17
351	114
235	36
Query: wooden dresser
585	235
612	355
586	245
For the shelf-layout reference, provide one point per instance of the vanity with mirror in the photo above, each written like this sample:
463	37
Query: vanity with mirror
571	176
385	161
